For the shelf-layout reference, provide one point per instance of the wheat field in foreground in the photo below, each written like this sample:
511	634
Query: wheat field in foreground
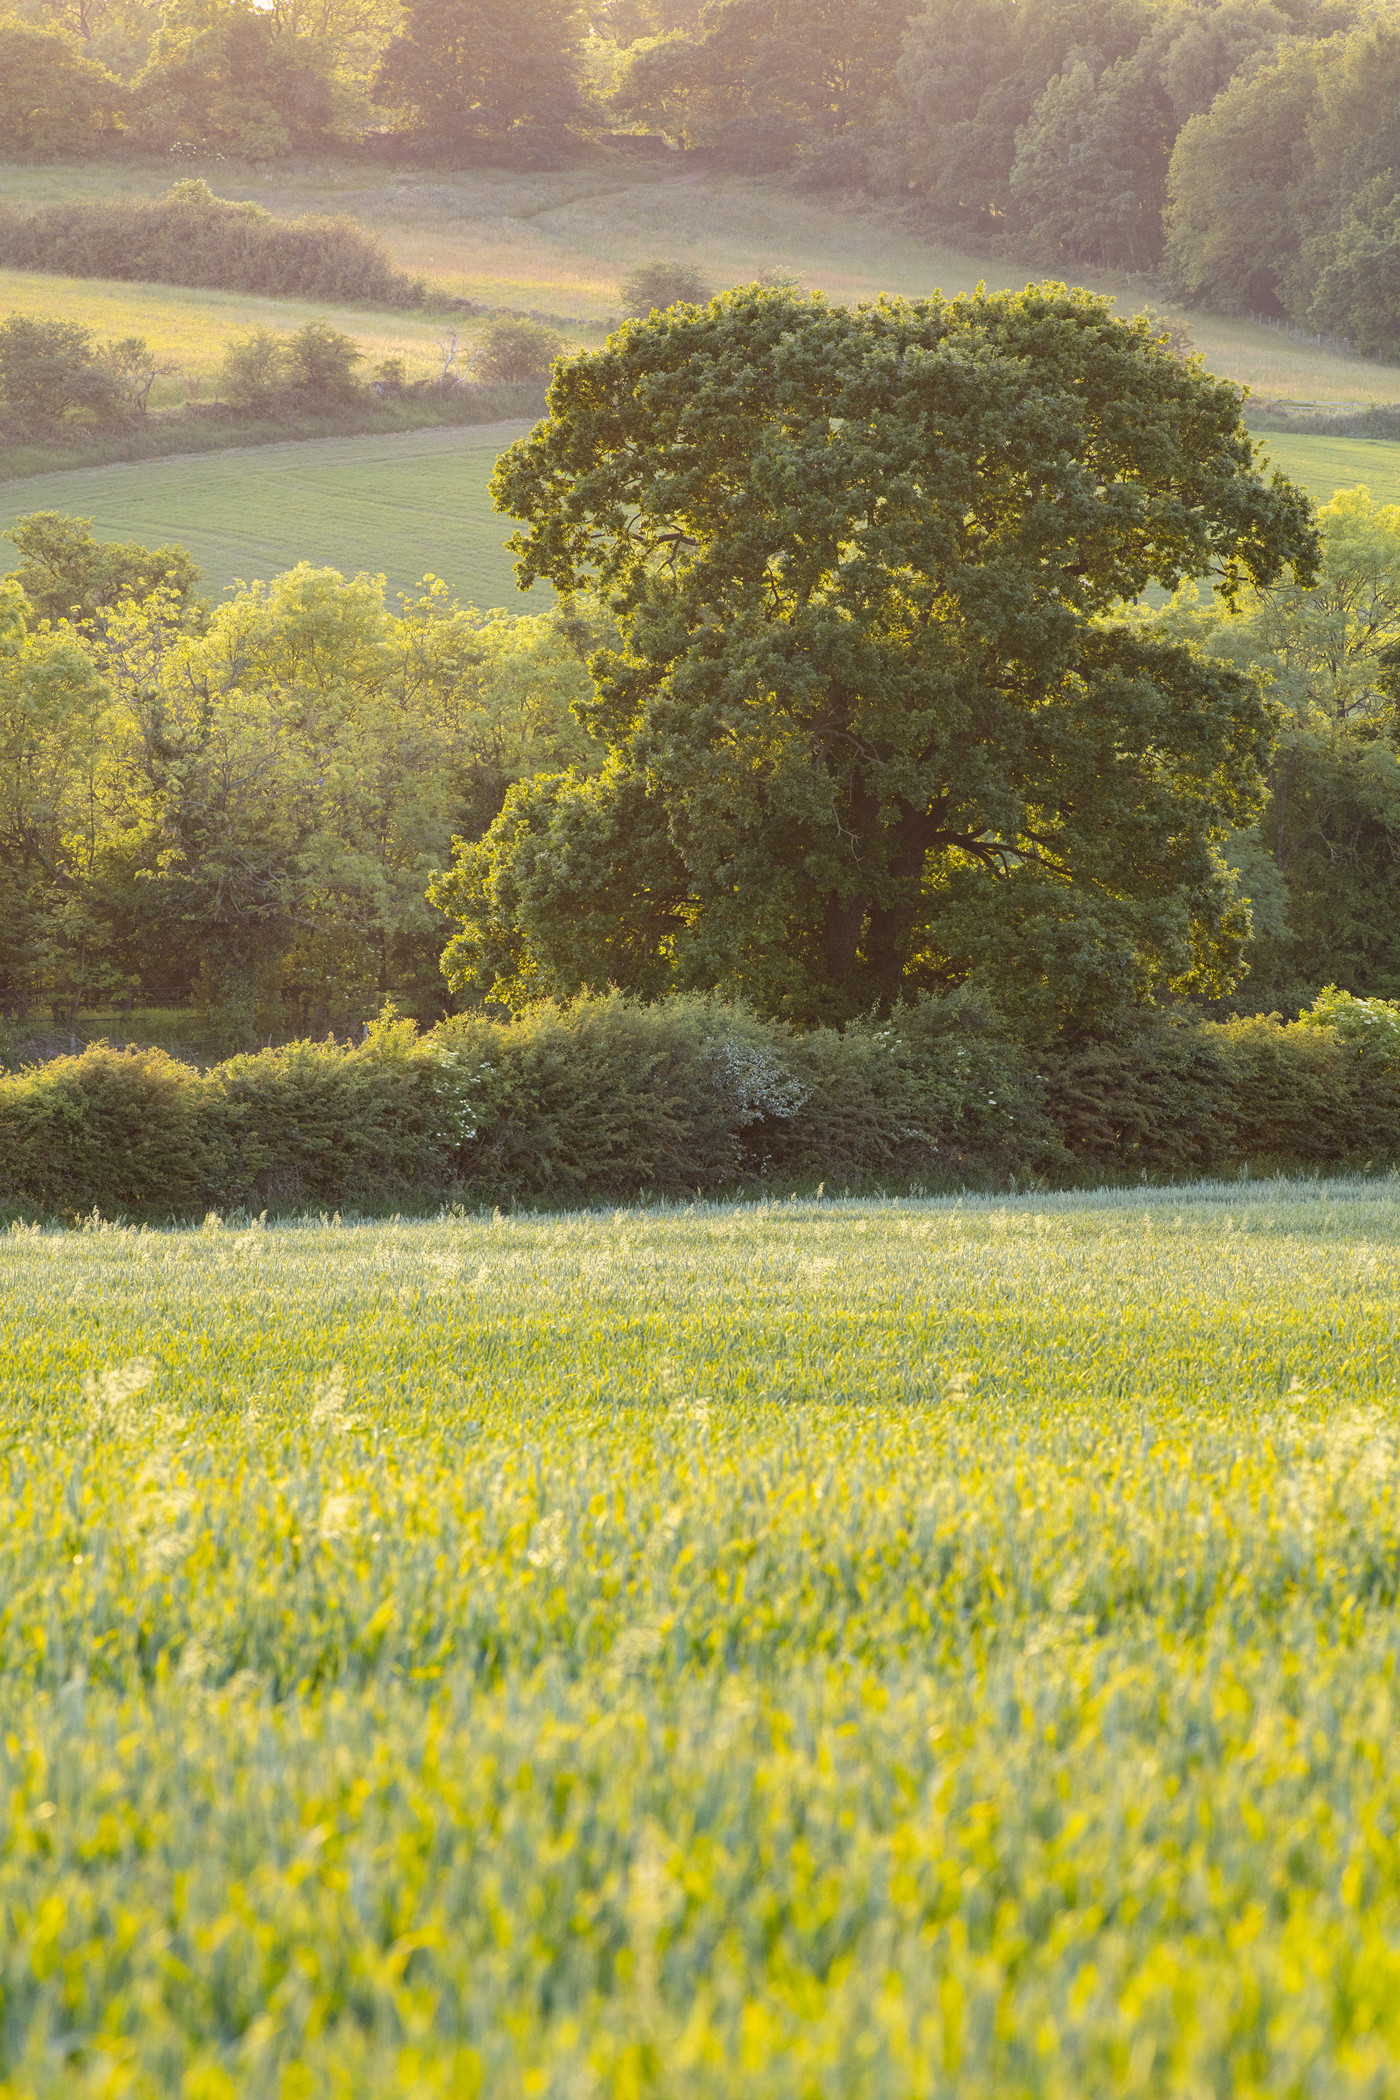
853	1649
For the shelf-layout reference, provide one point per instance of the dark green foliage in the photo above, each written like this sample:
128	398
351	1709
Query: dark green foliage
55	103
479	80
1089	178
1285	192
766	83
654	286
1052	122
1209	1099
606	1099
609	1097
53	376
870	732
1332	824
514	351
190	236
1358	292
134	1132
269	374
236	79
68	575
313	1123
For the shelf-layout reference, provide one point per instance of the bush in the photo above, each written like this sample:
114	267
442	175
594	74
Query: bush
513	351
317	1124
1210	1098
130	1131
52	375
269	374
190	236
654	286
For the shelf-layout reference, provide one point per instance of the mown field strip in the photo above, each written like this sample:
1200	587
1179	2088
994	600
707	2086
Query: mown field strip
403	505
874	1649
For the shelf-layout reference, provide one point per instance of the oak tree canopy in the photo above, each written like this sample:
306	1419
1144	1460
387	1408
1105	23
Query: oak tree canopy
871	724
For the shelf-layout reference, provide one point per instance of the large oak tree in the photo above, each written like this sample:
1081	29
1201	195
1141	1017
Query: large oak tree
871	726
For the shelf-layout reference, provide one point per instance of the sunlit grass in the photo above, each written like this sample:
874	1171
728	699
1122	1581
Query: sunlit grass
861	1648
561	241
401	504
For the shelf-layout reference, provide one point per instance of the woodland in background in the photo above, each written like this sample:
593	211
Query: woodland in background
1249	148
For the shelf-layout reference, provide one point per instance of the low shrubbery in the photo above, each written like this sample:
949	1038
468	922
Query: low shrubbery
607	1100
190	236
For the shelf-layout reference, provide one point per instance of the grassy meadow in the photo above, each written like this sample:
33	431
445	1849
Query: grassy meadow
192	329
560	241
1322	465
859	1649
410	502
402	505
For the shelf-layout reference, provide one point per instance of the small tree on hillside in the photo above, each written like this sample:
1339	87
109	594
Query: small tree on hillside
311	369
321	362
653	286
514	351
52	372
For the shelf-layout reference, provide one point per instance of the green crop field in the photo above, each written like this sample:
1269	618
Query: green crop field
560	242
403	505
865	1649
1322	465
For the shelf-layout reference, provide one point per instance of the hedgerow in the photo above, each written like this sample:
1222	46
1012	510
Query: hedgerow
190	236
607	1099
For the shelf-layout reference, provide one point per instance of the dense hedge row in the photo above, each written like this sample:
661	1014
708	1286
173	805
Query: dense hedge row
606	1100
190	236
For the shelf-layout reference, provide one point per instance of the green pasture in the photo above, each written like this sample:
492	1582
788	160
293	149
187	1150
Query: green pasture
807	1650
404	505
560	241
1322	465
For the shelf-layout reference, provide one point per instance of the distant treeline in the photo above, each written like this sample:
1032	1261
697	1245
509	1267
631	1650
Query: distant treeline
1252	147
190	236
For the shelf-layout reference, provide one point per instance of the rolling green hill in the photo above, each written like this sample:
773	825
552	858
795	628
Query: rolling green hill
560	240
